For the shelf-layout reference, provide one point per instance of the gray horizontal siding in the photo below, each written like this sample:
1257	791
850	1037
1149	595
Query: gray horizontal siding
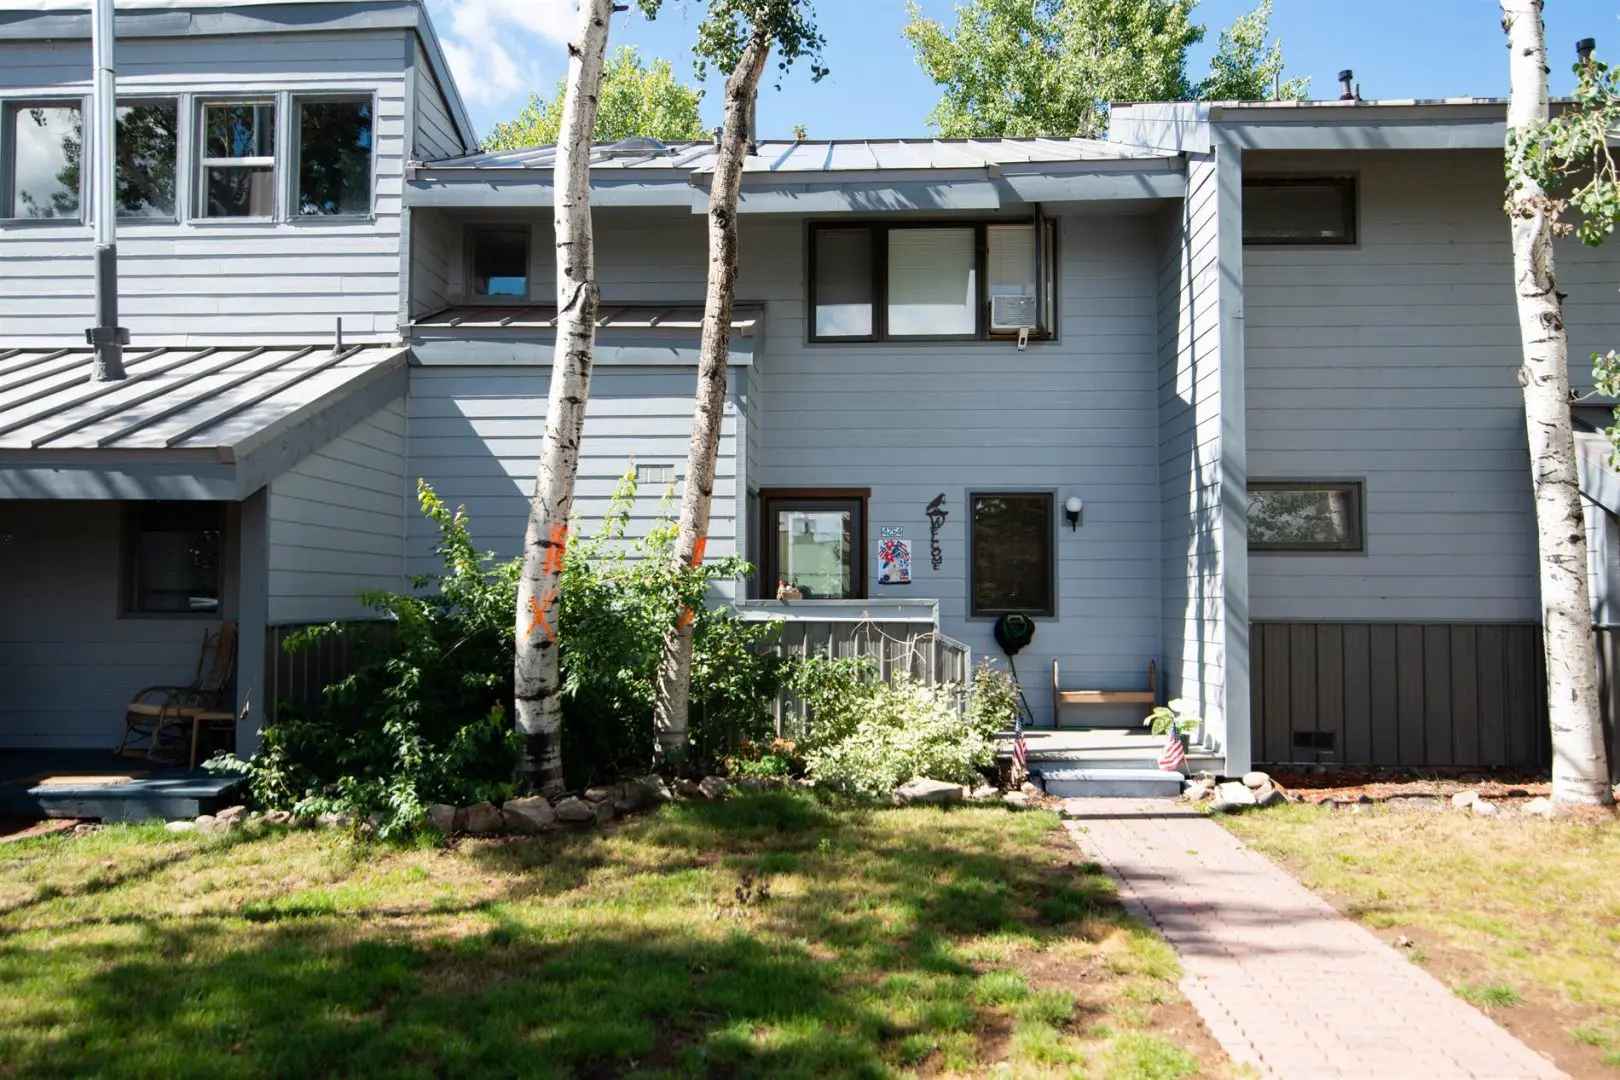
69	661
337	523
434	240
211	282
436	136
475	436
1396	361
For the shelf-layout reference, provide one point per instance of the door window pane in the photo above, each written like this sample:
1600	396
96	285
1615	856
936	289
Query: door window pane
239	160
815	552
175	564
1011	561
47	142
334	157
844	286
933	282
500	262
147	136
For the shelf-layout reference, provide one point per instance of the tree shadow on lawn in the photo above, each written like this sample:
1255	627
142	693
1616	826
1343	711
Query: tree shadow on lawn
856	967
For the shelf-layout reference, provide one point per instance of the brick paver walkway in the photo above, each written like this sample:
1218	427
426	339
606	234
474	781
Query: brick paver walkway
1285	983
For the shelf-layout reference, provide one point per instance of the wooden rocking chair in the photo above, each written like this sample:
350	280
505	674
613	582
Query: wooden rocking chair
173	716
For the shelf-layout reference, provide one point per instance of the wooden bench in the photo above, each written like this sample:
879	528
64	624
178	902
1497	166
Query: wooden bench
1061	697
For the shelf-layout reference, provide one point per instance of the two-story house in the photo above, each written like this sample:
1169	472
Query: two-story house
1232	392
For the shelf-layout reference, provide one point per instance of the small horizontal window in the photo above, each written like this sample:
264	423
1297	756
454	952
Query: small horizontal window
499	262
44	145
1301	515
1012	546
1299	210
174	558
921	282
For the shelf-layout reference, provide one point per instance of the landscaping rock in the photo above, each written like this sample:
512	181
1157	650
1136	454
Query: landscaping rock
278	817
482	819
332	820
531	813
604	811
1464	799
984	793
713	787
1431	803
750	783
920	789
598	794
446	819
572	811
1483	808
180	826
231	816
1254	781
1200	788
1029	787
654	790
205	823
639	794
687	789
1541	806
1232	796
1269	795
1018	800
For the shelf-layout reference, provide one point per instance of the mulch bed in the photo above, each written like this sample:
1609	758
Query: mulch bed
1381	785
24	828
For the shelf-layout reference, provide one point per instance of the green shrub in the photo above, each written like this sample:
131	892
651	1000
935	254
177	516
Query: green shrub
425	717
868	735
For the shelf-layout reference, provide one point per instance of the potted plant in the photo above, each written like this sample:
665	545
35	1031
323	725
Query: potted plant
1173	717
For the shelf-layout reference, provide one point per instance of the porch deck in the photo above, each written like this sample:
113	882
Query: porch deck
102	786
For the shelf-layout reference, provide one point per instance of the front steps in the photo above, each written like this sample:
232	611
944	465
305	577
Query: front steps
1104	763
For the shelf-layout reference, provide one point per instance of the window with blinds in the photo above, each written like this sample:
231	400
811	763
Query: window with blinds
935	281
175	556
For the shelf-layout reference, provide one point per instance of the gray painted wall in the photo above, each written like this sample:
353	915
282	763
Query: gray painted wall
1395	361
1190	509
434	132
216	281
69	661
337	523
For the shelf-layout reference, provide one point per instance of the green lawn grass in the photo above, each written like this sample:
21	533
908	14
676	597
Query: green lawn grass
1520	916
773	935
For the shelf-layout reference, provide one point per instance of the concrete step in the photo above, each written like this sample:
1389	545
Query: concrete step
1067	782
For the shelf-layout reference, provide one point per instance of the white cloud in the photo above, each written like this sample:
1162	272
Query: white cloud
495	46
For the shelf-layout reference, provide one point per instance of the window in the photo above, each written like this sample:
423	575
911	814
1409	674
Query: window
45	144
1011	553
1305	515
175	559
500	262
1299	210
148	133
814	542
893	282
238	159
334	157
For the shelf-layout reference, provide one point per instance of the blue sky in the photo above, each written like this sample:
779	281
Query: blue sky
501	49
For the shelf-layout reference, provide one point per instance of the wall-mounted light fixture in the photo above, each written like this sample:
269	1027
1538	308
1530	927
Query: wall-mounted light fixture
1071	512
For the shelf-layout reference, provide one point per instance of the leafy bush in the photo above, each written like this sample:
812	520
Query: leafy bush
868	735
425	717
995	700
778	758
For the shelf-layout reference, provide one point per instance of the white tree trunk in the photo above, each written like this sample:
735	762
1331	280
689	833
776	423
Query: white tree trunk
1580	772
545	543
675	672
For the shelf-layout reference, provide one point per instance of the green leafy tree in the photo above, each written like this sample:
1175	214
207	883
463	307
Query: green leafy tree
1246	67
1050	67
636	99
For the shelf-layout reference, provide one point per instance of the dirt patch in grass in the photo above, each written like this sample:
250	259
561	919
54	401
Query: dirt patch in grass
1519	916
772	935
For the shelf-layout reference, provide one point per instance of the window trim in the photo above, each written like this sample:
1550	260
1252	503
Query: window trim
469	232
1357	486
1051	610
129	569
296	153
8	161
1045	286
1347	182
200	163
767	498
124	222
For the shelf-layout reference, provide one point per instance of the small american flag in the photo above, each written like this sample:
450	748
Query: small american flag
1174	755
1020	751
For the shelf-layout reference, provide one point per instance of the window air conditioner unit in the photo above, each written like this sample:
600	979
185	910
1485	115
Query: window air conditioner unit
1013	313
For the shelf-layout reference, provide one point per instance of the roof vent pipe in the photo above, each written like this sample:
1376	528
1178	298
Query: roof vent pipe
107	336
719	131
1583	49
1346	92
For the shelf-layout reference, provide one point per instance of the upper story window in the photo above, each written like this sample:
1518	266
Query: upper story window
44	144
334	157
895	282
1299	210
237	157
498	261
148	135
